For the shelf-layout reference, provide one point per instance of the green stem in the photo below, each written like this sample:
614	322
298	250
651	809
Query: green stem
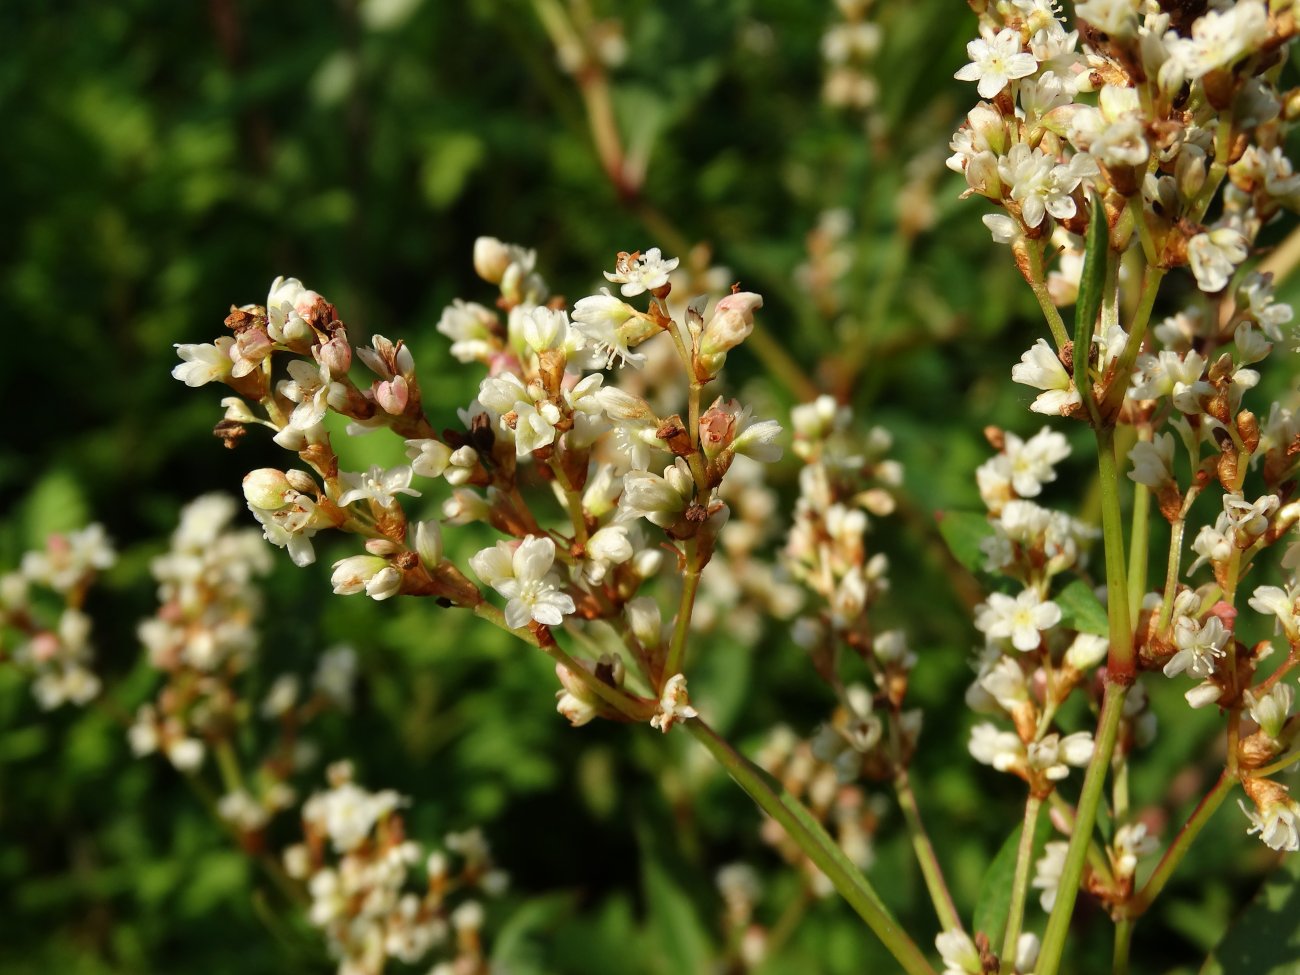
1121	633
1171	573
816	844
1181	844
1123	939
682	628
1058	924
637	709
1286	761
1139	546
1097	859
1038	283
1137	331
940	896
1020	882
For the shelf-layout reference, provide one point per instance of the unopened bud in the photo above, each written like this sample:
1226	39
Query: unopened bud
267	488
428	542
491	258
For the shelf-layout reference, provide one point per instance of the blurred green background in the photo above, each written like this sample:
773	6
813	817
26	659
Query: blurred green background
166	160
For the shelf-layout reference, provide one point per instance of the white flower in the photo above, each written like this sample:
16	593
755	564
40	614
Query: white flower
1039	367
1005	683
310	386
1001	749
674	705
1022	620
429	458
1040	184
1131	844
1278	824
1214	256
1278	602
1153	461
204	364
378	485
1047	872
523	575
1220	38
959	954
611	326
1271	710
660	500
1032	462
1199	644
638	272
1118	18
1052	754
1086	651
470	327
996	61
1004	229
376	576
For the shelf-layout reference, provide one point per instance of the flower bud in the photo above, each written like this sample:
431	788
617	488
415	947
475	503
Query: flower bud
491	258
731	324
267	488
428	542
336	355
644	618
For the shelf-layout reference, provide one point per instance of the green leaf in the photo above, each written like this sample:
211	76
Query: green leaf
1265	938
517	945
56	504
1091	284
994	903
964	531
675	921
1081	609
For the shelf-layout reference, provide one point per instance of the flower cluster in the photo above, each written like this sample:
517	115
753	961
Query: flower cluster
49	638
849	47
599	487
1163	126
382	897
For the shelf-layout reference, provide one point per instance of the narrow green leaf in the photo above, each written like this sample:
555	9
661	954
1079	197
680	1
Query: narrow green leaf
1091	284
1265	938
1081	609
675	921
994	903
964	531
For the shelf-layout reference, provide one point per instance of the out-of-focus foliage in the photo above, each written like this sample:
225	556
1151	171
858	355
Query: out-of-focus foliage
163	160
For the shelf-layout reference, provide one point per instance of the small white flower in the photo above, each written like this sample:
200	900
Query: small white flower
523	575
378	485
1039	367
991	746
1047	872
1153	461
674	705
1052	754
612	327
204	364
636	273
959	954
1271	710
1021	620
1214	256
1199	645
1278	824
1130	845
1280	603
996	61
660	500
